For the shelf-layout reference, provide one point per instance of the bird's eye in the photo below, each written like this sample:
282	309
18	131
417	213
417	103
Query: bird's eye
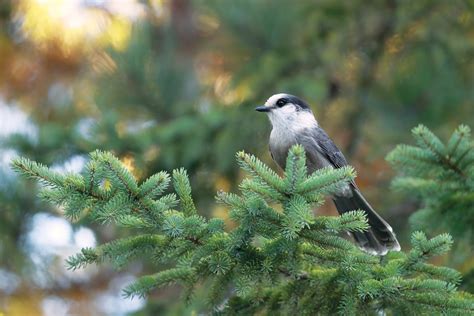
281	102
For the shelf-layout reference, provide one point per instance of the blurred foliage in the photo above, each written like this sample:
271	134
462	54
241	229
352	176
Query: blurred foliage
168	84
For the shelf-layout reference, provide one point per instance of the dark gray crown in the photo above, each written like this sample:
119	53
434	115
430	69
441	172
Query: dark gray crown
288	98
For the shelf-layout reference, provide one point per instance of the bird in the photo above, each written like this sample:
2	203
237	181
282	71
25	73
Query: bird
293	123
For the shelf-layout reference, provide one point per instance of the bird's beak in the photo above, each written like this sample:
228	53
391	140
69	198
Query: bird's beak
263	108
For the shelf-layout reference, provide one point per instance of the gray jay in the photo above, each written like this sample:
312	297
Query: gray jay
294	123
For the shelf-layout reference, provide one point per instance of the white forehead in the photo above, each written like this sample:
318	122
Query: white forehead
274	98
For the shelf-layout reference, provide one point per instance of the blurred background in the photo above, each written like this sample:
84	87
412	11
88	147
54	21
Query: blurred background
166	84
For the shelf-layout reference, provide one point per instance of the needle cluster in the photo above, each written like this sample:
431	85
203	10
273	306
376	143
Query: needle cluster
279	259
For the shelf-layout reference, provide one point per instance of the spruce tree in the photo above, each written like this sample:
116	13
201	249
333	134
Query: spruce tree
279	258
441	176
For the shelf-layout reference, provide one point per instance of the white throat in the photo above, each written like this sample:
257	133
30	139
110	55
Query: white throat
287	119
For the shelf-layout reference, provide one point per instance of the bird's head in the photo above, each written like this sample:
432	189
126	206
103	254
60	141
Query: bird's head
286	109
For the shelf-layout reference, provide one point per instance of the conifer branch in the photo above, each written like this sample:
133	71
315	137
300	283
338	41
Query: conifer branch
326	180
442	177
283	259
38	172
295	171
147	283
428	140
155	185
259	170
183	188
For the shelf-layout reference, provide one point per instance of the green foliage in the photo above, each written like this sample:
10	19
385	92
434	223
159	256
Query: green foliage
442	176
275	261
183	188
182	91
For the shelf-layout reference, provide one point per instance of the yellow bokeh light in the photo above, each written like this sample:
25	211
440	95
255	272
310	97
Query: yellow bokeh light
73	26
129	162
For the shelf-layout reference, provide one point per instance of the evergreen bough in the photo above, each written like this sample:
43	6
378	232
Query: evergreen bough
275	261
442	176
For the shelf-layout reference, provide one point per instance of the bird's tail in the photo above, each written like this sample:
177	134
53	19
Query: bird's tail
379	238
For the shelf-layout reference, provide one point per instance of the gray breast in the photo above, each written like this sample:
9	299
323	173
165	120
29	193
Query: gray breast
315	159
280	142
